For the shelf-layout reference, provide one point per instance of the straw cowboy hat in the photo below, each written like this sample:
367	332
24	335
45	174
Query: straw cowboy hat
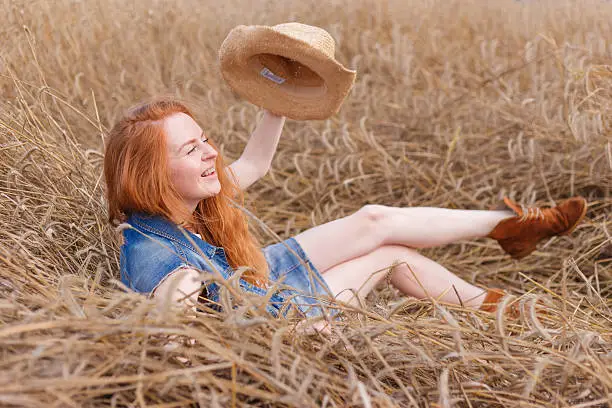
288	69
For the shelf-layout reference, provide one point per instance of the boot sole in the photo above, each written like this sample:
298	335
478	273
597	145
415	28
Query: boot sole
582	214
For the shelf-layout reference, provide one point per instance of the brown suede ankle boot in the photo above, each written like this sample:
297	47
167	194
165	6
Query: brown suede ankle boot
519	235
513	310
492	299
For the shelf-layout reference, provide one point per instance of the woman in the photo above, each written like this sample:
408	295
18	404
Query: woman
164	173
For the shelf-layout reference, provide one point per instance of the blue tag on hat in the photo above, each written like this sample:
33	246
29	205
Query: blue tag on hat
266	73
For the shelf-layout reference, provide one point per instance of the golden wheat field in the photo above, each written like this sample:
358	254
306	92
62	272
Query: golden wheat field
456	104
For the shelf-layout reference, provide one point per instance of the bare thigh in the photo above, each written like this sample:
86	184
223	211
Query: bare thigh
343	239
412	273
360	275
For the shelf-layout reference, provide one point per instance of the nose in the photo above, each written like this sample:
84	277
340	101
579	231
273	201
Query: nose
208	152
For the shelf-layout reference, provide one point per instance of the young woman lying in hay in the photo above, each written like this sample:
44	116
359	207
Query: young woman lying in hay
169	186
167	181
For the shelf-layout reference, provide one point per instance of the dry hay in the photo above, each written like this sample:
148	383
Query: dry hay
456	104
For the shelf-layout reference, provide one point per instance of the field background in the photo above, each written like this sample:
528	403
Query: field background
456	104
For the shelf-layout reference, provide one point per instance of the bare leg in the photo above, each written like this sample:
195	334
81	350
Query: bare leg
375	225
425	227
416	276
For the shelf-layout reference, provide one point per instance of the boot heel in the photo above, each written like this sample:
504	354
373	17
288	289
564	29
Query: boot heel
524	252
580	217
517	253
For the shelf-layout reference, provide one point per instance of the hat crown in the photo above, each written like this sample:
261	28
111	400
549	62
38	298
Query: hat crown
314	36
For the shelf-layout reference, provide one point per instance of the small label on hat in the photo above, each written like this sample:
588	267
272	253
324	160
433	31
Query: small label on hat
270	75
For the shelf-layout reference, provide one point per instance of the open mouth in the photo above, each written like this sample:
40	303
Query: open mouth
209	173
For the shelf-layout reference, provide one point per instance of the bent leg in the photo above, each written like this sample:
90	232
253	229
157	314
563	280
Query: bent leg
349	237
414	275
343	239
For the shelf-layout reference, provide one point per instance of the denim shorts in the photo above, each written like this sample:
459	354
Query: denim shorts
291	269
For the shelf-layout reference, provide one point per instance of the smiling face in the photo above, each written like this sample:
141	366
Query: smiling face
190	160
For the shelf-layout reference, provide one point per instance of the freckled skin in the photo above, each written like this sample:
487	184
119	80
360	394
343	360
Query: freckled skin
187	163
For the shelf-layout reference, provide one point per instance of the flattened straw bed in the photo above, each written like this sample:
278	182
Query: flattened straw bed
455	105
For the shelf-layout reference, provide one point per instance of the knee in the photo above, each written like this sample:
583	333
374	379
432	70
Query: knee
371	217
372	213
394	260
404	260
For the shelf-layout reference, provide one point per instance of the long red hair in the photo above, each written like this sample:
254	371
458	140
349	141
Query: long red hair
137	180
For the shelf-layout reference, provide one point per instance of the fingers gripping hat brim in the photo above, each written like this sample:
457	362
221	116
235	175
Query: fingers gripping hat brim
282	74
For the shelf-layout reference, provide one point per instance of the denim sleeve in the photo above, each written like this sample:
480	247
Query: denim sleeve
147	260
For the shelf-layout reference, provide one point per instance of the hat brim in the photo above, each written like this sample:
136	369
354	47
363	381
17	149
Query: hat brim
242	73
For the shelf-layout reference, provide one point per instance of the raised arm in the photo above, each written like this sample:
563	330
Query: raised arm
257	156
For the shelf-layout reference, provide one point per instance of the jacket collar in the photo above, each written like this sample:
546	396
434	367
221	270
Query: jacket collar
163	227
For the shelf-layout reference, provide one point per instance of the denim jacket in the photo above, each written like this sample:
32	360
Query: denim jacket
154	247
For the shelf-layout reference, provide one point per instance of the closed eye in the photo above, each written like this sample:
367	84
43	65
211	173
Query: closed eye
205	140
